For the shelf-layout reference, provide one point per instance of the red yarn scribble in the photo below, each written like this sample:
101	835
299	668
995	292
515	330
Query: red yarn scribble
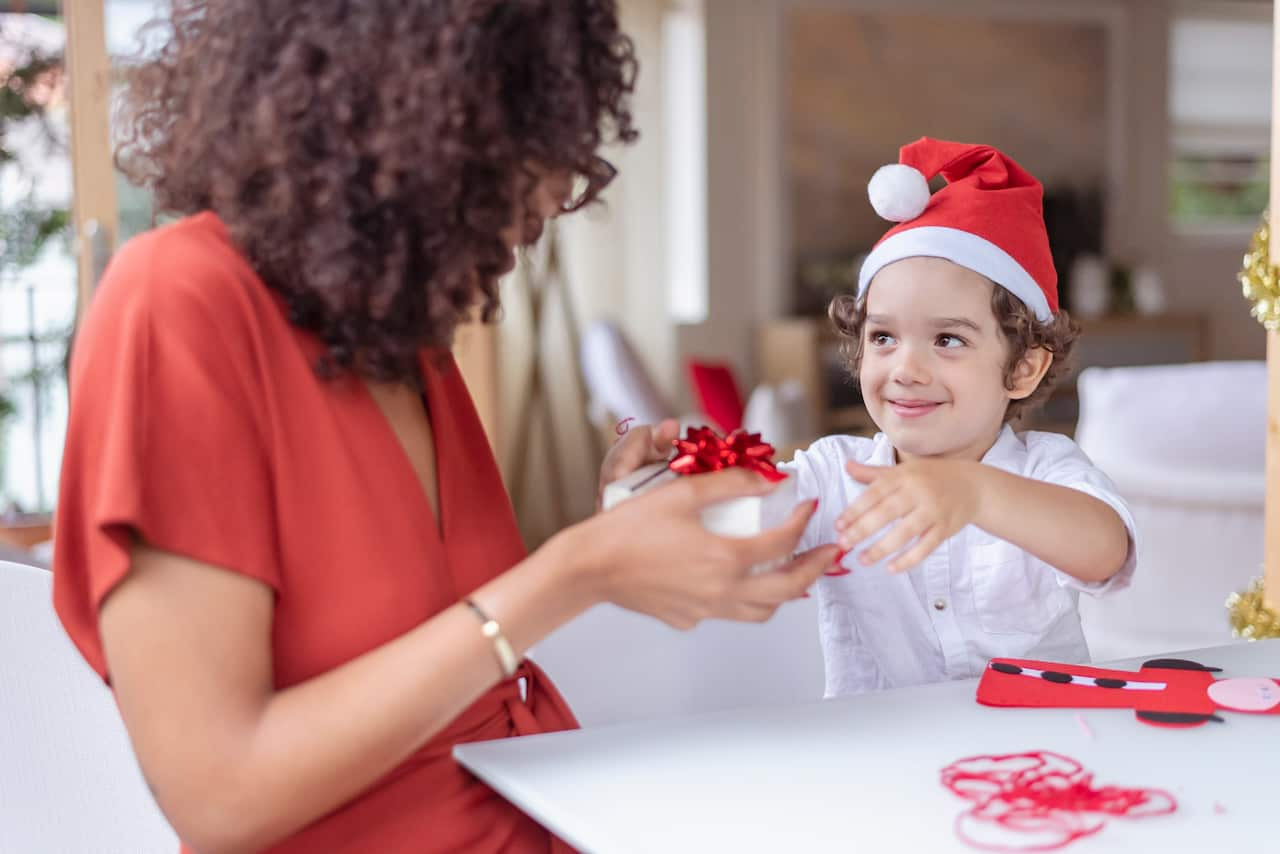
1039	801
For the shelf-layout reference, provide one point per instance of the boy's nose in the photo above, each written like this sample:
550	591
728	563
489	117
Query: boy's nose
910	368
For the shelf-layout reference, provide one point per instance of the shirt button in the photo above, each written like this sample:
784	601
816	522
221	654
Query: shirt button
939	604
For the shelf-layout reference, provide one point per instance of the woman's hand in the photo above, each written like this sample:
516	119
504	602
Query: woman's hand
651	554
639	446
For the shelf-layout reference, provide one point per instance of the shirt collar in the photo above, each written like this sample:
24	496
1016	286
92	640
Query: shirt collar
1005	453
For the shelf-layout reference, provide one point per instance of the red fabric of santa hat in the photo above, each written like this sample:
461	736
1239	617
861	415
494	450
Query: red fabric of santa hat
988	218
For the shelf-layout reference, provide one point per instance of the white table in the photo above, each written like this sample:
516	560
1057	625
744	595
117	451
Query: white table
861	774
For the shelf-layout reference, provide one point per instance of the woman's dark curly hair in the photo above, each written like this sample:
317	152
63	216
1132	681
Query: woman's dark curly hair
1019	325
366	156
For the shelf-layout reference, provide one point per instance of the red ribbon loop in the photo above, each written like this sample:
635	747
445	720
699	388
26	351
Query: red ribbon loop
704	450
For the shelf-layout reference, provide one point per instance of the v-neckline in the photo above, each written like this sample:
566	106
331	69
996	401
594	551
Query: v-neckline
406	475
396	457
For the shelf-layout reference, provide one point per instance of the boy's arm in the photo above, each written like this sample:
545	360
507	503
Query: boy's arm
1065	516
1066	528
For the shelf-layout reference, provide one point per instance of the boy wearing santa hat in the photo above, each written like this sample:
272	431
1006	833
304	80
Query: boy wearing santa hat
966	540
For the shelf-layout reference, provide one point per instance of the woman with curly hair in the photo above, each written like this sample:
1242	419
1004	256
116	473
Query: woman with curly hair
281	536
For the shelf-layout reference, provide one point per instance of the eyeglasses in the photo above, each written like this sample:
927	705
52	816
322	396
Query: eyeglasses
587	186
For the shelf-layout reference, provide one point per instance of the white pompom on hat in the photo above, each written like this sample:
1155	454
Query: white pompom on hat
898	192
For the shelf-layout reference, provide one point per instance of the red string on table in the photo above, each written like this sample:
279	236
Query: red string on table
1040	801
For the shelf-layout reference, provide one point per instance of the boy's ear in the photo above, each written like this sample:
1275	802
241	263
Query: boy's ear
1029	372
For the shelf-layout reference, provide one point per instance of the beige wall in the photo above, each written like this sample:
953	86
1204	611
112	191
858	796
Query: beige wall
746	236
1035	89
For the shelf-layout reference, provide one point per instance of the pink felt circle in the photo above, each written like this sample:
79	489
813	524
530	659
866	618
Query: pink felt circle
1246	695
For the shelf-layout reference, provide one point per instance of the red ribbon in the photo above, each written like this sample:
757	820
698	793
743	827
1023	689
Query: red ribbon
1040	801
705	450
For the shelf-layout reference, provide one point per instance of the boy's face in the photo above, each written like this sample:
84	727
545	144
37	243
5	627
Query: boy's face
933	360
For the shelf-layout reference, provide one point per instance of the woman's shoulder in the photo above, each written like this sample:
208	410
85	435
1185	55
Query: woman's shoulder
186	275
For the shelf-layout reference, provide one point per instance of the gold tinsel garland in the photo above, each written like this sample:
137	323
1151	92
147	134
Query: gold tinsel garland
1260	280
1251	617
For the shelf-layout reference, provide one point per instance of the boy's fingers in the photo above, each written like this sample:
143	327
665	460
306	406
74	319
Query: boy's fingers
915	555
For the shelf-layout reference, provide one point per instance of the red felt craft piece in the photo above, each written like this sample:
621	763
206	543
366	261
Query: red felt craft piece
1167	692
717	393
1039	801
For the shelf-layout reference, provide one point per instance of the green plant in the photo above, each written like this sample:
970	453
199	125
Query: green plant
25	92
27	222
27	225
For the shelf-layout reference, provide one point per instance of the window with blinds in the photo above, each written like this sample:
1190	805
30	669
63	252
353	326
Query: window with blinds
1219	116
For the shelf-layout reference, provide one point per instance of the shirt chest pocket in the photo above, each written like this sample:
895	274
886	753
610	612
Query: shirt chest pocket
1013	596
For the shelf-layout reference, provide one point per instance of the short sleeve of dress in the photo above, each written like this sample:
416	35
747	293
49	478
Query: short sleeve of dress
165	442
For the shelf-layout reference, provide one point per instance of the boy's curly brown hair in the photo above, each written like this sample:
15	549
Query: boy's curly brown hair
1021	329
367	156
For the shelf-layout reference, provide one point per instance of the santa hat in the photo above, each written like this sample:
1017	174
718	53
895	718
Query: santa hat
989	218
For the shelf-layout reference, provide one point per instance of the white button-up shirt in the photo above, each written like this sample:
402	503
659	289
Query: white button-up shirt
974	598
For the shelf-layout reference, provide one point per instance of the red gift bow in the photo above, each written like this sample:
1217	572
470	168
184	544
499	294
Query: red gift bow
704	450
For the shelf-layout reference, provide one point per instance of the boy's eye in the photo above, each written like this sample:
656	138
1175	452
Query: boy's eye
880	339
950	341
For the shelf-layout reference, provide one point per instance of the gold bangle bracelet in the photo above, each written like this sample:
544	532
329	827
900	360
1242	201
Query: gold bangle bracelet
507	658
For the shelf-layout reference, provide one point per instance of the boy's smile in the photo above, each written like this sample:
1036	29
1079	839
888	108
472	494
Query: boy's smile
913	408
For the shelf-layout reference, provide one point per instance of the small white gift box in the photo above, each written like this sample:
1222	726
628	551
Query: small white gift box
737	517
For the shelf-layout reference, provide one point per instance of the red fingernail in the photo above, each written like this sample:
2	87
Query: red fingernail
841	555
836	573
815	506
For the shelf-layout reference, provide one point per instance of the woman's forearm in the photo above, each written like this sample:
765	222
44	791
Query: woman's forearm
270	762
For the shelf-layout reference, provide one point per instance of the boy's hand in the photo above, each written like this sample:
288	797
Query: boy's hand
929	499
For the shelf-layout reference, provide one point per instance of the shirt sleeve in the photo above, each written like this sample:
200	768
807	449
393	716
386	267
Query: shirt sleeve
1058	460
164	439
801	485
818	472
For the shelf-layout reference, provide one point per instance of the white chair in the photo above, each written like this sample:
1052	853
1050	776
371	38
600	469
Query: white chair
1184	444
69	782
614	665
